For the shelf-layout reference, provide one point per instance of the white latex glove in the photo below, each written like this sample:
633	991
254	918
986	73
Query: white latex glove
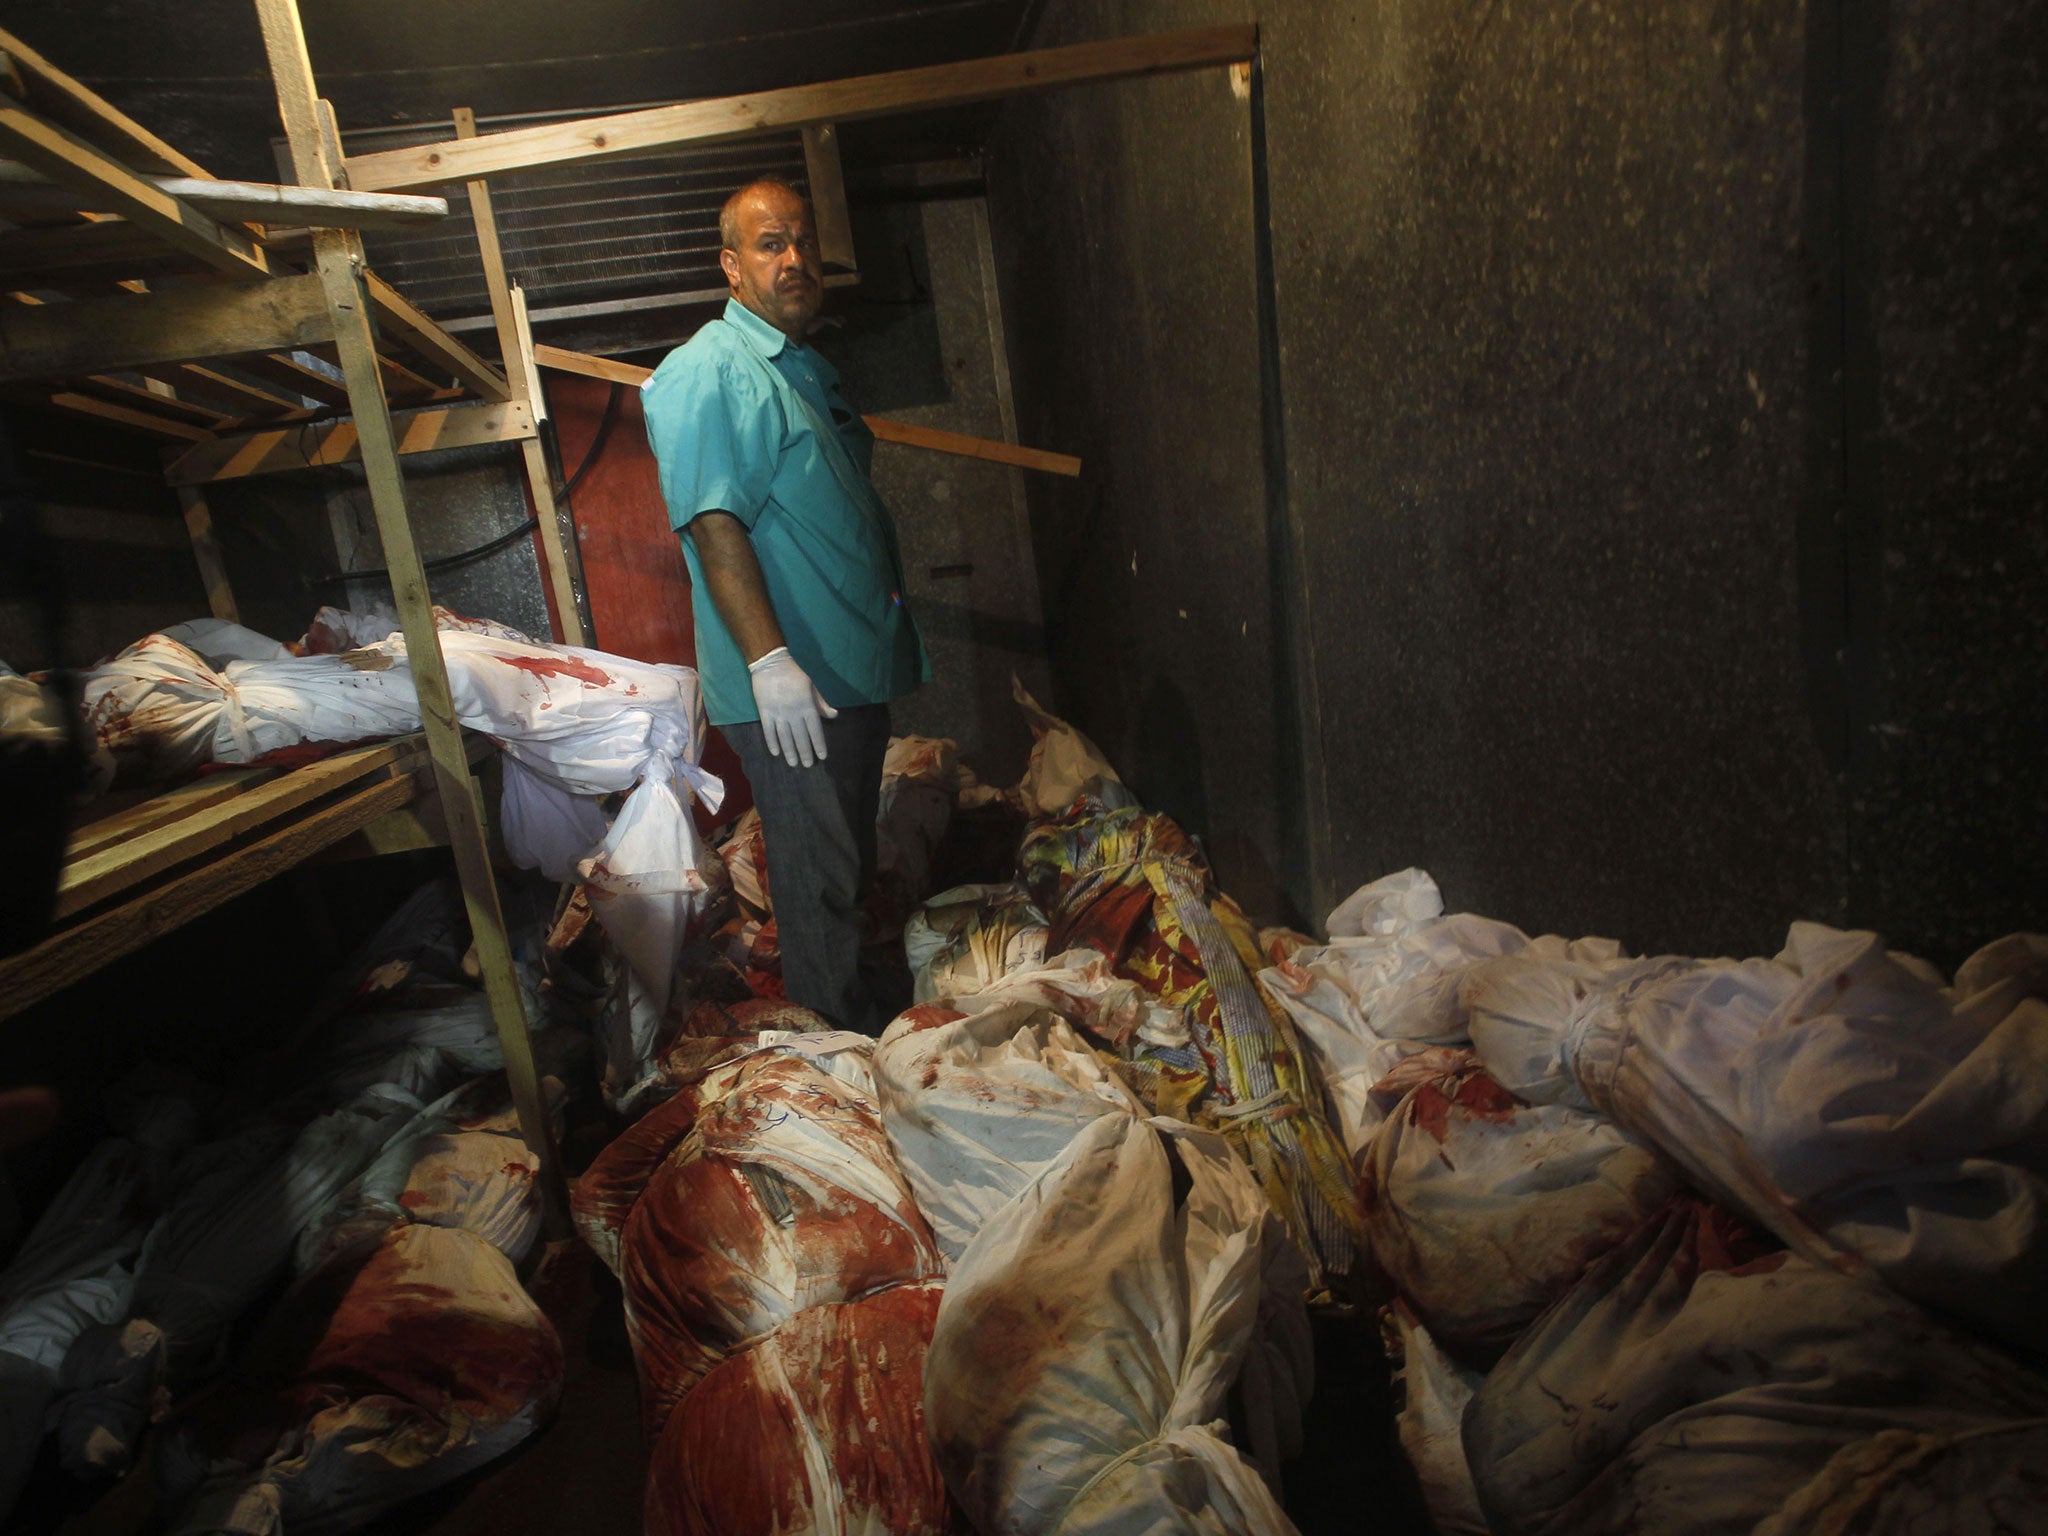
790	706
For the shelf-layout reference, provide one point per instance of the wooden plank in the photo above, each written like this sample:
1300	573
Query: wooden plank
840	101
211	384
829	218
304	446
910	436
71	105
87	881
885	429
206	554
541	486
609	369
66	158
402	384
180	800
78	951
400	320
163	401
497	280
289	373
522	355
126	332
515	347
339	258
55	256
127	416
284	206
309	207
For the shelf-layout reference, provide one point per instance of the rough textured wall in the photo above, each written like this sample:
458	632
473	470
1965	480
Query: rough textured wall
1657	515
1946	321
917	347
1124	242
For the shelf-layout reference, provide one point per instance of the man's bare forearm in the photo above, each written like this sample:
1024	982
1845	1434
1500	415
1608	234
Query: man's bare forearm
732	574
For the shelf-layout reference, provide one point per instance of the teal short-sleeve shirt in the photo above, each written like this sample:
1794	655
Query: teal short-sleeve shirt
743	421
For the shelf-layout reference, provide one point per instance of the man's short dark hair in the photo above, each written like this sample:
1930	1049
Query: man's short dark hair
729	215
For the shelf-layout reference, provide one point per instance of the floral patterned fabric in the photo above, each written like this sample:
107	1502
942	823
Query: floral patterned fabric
1133	886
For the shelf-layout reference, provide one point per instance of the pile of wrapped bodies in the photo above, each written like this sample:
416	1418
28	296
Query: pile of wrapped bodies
780	1288
407	1354
380	1160
1694	1246
1120	1285
576	726
1133	888
784	1225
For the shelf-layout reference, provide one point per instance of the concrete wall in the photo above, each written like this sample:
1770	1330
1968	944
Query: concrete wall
1598	452
917	346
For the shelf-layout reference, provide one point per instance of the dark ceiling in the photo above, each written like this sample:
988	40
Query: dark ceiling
196	74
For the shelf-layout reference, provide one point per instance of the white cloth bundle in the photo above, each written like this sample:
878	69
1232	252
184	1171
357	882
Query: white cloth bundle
1091	1332
1684	1386
575	725
1482	1211
981	1094
1835	1094
1389	982
1434	1392
963	939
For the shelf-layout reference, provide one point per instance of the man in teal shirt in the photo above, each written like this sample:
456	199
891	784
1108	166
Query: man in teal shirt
803	636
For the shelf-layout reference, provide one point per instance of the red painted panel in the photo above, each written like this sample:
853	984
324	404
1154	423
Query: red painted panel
632	564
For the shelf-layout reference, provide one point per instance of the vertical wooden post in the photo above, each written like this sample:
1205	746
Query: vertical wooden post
516	350
828	197
213	570
339	257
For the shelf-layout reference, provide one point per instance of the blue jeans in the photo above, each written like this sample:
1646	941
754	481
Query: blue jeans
818	824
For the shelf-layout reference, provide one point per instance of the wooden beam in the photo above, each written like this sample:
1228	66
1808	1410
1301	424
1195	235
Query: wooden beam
131	331
35	80
903	432
562	360
833	224
312	445
119	866
167	805
78	951
206	554
307	207
56	256
344	282
840	101
280	204
540	485
885	429
165	401
289	373
66	158
127	416
400	382
409	388
212	384
515	347
399	319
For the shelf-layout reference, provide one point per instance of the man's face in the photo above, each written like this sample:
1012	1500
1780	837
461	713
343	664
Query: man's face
775	272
